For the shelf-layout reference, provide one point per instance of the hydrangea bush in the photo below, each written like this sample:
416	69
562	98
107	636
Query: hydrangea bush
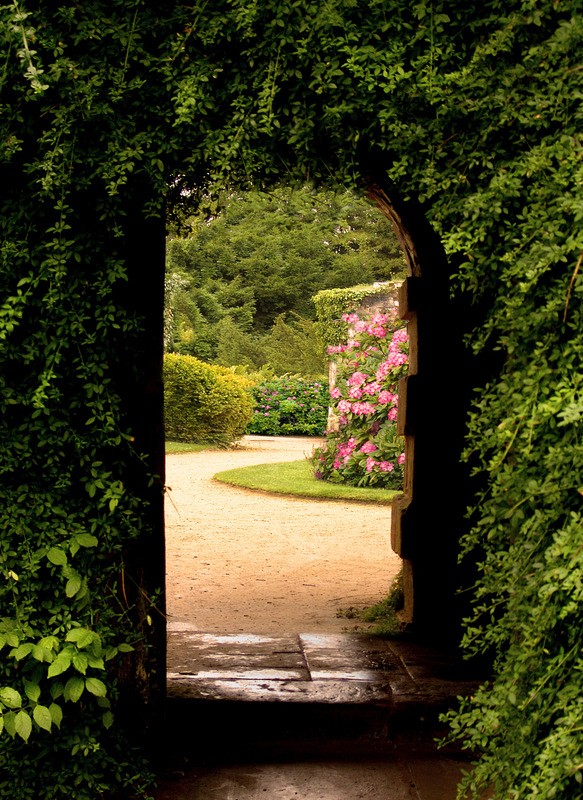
365	450
290	405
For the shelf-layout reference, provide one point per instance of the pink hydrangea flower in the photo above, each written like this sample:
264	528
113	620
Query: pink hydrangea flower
335	393
386	466
355	392
378	331
346	448
357	379
362	409
371	388
344	407
401	459
392	415
400	335
383	370
370	464
368	447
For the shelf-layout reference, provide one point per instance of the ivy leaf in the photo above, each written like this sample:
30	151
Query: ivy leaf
42	717
56	713
10	697
95	661
86	540
10	723
32	691
81	662
41	653
49	642
74	688
61	663
81	636
57	556
23	725
96	687
73	585
22	651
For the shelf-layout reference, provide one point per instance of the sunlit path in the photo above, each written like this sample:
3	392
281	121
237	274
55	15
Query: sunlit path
242	561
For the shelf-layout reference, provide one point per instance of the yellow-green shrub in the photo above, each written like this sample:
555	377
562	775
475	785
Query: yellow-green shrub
204	402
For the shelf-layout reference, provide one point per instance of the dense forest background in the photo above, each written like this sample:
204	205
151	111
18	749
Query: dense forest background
239	285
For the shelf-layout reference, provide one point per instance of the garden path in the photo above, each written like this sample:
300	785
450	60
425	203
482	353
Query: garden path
244	561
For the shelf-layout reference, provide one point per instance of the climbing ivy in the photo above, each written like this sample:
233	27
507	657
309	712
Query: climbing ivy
331	304
107	110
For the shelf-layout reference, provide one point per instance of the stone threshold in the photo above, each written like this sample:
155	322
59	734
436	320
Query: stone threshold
348	668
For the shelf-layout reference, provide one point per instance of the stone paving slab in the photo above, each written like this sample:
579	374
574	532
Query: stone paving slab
414	778
250	724
347	657
236	656
328	691
225	662
231	643
308	667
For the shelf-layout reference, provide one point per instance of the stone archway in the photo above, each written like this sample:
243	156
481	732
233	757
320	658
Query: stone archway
426	521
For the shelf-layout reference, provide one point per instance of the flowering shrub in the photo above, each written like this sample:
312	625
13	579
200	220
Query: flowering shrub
290	405
365	450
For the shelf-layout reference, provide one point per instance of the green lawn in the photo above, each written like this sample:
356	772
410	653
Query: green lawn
295	478
186	447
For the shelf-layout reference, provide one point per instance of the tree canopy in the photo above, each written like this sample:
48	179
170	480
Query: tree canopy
261	260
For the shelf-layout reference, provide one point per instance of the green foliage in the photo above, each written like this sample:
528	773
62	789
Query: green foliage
290	405
382	617
234	347
295	347
471	109
204	402
74	763
74	494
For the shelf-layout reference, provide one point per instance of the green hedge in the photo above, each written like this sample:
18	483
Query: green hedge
203	402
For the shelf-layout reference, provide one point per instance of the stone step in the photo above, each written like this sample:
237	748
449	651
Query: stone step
255	694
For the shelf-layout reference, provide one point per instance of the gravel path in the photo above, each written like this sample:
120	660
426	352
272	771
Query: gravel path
243	561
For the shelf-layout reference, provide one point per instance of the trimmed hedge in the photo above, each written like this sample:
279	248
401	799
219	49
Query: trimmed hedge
204	402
